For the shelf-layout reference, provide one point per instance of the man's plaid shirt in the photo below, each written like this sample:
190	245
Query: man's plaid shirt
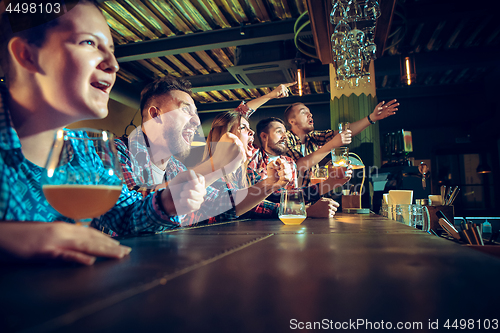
257	171
313	141
138	174
22	198
244	110
257	167
264	209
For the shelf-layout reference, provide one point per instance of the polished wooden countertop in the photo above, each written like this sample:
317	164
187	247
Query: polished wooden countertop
259	276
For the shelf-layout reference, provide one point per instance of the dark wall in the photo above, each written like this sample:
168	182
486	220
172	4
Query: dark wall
448	127
441	121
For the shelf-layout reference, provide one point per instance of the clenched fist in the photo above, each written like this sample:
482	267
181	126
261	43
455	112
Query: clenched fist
229	153
280	171
184	194
346	137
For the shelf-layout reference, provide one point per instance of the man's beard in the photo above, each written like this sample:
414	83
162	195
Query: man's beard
278	149
176	144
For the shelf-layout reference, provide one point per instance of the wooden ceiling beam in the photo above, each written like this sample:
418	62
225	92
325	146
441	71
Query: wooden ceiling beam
208	40
384	23
283	103
319	14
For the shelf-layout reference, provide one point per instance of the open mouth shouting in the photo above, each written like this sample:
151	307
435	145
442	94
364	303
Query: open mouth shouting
102	85
282	141
188	135
250	147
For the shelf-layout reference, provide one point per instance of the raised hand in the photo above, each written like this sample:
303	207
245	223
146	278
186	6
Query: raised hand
58	241
184	194
384	110
325	207
281	90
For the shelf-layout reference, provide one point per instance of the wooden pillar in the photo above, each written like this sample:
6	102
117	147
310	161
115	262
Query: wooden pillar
352	105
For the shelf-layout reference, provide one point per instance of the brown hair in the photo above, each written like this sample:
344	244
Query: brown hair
29	26
263	126
288	112
161	87
223	123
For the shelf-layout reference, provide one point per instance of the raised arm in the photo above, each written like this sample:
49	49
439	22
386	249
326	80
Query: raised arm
279	92
229	154
381	111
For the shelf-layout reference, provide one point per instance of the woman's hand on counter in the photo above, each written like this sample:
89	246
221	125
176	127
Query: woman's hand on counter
58	241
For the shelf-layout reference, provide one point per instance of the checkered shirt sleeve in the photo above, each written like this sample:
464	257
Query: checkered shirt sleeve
314	140
264	210
257	168
293	143
216	205
134	181
244	110
319	138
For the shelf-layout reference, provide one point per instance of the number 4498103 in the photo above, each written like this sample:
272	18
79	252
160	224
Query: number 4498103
471	324
34	8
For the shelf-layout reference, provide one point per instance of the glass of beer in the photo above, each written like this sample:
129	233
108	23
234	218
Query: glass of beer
319	175
292	210
340	161
344	126
82	179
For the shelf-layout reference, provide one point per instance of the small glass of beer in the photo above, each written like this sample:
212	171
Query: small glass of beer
344	126
82	177
340	161
319	175
292	210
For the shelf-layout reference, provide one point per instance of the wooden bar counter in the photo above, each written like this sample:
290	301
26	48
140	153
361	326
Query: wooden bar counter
262	276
